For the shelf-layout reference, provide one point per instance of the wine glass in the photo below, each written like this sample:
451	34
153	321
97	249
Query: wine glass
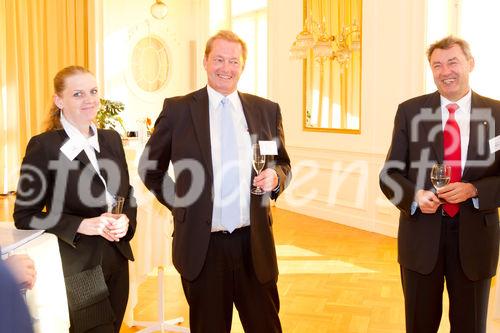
440	175
258	162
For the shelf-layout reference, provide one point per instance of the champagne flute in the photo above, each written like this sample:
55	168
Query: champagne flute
440	175
258	162
116	207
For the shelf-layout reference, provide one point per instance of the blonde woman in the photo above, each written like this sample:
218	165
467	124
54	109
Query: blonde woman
69	177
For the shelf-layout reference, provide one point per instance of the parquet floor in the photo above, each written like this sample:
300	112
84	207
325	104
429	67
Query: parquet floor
333	279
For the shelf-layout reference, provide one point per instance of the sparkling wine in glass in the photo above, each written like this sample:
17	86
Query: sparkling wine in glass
440	175
116	207
258	162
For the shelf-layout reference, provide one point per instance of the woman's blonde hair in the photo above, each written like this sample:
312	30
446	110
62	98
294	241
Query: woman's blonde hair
54	121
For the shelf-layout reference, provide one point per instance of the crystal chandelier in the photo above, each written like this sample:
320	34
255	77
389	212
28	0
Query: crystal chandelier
326	46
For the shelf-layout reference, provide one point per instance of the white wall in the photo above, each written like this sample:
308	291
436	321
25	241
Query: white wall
124	22
335	175
339	172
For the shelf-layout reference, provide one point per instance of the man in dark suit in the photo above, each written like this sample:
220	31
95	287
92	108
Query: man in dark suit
451	234
223	243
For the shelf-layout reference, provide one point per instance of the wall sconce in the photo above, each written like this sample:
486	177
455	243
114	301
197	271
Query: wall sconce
159	10
325	46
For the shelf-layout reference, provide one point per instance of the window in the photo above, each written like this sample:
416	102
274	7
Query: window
476	22
249	21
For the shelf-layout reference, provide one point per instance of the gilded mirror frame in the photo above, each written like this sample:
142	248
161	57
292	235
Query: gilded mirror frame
308	90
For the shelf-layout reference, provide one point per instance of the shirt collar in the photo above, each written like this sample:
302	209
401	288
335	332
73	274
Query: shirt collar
215	97
463	103
77	138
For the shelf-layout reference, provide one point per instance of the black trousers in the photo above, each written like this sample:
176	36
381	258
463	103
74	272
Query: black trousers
228	277
424	293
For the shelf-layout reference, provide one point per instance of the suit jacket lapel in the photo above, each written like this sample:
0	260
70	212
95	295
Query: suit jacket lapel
433	125
252	117
478	135
105	153
201	122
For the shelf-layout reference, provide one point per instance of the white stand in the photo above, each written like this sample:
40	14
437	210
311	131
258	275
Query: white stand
161	325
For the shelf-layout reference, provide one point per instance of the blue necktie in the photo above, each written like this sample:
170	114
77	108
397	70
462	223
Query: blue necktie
230	184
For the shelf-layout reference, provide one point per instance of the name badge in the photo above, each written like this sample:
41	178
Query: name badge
268	148
494	144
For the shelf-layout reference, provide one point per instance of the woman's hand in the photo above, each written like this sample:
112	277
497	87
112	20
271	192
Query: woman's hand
99	226
119	225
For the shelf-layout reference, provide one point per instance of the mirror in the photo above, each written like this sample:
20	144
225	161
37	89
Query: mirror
150	64
331	46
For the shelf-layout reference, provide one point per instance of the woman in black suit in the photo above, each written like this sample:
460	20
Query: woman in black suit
70	176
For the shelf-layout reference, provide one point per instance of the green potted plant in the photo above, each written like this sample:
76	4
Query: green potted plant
108	115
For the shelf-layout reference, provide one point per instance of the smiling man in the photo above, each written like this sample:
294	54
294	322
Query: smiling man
450	234
223	243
